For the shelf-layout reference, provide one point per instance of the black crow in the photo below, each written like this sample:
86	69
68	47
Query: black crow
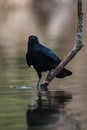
42	58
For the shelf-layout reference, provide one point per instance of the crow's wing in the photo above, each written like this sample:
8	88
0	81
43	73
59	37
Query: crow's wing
50	54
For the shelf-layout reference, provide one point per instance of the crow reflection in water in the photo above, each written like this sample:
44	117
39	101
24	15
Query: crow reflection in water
42	58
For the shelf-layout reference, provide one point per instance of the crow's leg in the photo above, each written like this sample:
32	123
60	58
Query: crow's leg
38	83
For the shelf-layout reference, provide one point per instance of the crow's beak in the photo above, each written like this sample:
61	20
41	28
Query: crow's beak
33	38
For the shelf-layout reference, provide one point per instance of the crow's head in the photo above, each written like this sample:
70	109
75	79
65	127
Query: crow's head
32	40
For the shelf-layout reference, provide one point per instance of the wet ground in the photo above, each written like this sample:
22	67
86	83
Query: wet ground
64	107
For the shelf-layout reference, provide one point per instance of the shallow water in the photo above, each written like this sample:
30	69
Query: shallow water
16	103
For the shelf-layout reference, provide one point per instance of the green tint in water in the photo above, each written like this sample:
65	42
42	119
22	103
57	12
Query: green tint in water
13	102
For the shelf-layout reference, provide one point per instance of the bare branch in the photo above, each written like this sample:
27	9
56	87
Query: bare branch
77	46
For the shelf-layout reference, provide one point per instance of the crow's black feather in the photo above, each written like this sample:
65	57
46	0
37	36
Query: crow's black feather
42	58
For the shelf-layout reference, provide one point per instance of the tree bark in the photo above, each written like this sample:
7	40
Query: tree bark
77	46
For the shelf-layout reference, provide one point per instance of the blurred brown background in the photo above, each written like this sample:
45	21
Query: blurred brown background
51	20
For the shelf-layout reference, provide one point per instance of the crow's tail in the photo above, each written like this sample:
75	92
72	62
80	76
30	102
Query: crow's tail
64	73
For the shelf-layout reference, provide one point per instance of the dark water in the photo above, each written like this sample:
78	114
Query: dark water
65	108
49	111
